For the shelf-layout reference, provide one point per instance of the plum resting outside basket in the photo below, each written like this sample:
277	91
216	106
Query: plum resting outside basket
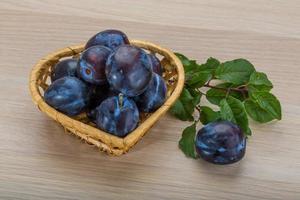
80	125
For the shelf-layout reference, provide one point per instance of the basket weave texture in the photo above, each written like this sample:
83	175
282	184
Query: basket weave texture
80	125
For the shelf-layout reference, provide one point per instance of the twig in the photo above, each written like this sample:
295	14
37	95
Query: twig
197	89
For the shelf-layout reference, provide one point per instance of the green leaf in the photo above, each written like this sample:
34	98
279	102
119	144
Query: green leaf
260	78
187	141
184	106
179	111
268	102
226	112
236	71
210	65
233	110
257	88
260	82
199	79
207	115
183	59
253	88
188	65
195	94
214	96
256	112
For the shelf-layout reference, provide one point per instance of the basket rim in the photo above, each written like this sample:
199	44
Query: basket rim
114	141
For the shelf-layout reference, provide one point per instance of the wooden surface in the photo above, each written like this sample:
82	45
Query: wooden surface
39	161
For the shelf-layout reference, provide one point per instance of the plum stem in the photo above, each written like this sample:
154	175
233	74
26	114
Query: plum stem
121	100
202	93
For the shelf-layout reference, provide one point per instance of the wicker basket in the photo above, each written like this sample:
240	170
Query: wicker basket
80	125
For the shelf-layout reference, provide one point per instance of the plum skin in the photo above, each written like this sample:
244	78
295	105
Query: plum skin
67	67
128	70
109	38
68	95
156	65
154	96
221	142
92	63
117	118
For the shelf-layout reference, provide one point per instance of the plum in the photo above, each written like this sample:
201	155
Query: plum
128	70
156	65
221	142
68	95
154	96
64	68
109	38
91	65
117	115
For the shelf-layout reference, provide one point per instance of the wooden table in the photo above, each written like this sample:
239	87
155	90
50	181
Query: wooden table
39	161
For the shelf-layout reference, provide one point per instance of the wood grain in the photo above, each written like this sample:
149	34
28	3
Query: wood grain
39	161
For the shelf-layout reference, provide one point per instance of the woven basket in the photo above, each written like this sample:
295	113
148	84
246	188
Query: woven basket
80	125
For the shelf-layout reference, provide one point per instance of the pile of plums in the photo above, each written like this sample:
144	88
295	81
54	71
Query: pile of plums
112	81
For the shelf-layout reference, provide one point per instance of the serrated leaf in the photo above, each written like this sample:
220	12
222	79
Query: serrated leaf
208	115
183	58
187	141
179	111
260	78
184	106
268	102
260	82
257	88
233	110
256	112
199	79
188	65
252	89
196	95
236	71
214	96
226	112
210	65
